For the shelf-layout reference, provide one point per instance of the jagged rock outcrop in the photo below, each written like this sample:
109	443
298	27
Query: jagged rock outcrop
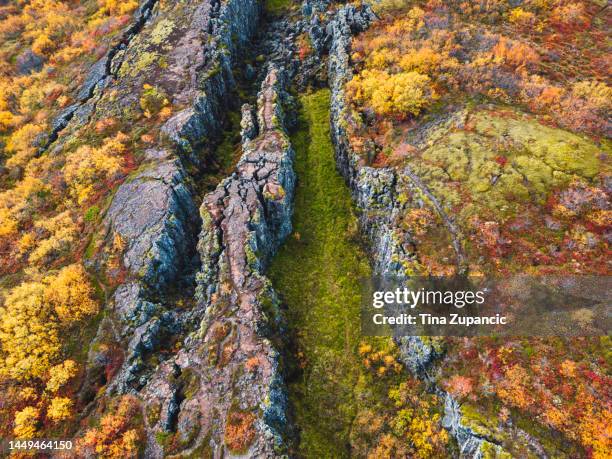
374	190
154	212
470	444
234	368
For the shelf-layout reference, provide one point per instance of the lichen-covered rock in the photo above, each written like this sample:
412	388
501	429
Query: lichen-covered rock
239	396
470	444
156	216
374	190
180	57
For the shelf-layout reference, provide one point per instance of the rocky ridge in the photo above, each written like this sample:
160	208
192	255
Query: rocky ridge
154	215
230	362
154	212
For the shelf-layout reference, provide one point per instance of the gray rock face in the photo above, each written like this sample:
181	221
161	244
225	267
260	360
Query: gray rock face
154	211
238	375
156	216
248	124
470	444
374	190
416	354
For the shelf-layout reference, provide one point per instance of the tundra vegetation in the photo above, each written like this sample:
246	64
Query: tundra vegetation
49	205
502	109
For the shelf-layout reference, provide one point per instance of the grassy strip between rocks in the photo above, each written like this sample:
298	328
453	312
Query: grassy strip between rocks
317	273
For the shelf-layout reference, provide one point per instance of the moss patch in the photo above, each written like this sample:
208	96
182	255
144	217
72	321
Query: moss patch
277	7
507	169
317	273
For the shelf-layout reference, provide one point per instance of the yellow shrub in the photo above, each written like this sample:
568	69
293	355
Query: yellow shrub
70	294
28	333
7	120
31	99
28	394
21	144
423	60
26	243
521	17
8	224
59	409
26	422
60	374
43	45
62	232
398	95
382	59
117	7
88	167
31	319
22	199
599	95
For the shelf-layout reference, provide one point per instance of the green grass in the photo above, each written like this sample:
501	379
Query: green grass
277	7
317	274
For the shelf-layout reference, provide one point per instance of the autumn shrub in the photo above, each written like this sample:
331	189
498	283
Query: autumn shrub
60	374
587	107
7	120
8	224
59	409
572	15
32	317
399	95
19	203
55	235
514	54
424	60
43	45
28	333
88	167
118	7
460	386
26	423
70	294
118	435
410	428
522	18
22	144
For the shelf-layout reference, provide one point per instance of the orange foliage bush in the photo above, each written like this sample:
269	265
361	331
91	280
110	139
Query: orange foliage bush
117	436
239	430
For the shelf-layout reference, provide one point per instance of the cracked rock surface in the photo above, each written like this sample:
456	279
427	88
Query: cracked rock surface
232	353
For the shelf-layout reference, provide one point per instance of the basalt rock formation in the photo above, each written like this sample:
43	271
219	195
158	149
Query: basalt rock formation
228	372
155	214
